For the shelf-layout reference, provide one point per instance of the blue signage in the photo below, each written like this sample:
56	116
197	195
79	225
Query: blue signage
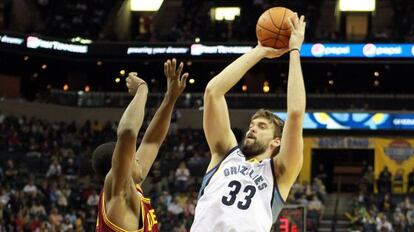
349	121
369	50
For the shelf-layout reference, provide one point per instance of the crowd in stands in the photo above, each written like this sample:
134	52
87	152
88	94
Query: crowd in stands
47	183
70	19
194	21
391	209
404	19
313	197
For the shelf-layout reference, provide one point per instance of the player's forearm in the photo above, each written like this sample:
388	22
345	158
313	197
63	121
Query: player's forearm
158	128
131	120
296	95
232	74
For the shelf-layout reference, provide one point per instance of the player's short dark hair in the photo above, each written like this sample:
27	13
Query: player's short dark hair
277	122
102	158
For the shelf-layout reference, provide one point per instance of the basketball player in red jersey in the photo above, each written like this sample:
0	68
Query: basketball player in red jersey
122	205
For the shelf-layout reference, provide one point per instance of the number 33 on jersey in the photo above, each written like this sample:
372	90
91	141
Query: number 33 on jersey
238	195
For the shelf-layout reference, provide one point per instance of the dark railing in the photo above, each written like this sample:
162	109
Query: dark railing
341	102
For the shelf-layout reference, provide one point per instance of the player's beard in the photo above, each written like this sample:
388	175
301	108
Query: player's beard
251	150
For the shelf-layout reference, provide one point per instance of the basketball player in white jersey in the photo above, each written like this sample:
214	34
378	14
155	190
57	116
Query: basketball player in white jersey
245	187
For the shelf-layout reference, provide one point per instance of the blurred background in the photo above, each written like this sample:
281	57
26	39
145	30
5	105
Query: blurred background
63	66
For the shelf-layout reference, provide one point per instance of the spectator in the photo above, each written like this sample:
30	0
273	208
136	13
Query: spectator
406	204
14	142
399	220
384	181
410	187
11	173
182	175
35	223
55	218
355	219
368	180
174	125
55	170
97	127
410	219
93	199
386	204
38	209
398	180
67	225
63	193
4	196
319	189
70	169
30	188
175	207
315	210
383	224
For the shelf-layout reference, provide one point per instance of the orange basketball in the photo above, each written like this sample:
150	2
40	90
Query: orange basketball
273	29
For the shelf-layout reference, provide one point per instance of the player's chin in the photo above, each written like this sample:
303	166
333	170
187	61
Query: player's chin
249	141
247	146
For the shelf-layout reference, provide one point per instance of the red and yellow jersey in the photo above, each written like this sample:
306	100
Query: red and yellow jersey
149	220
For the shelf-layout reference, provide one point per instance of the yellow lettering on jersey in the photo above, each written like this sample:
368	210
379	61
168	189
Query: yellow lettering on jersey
149	222
152	219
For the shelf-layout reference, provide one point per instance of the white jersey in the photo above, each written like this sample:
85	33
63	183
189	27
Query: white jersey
238	195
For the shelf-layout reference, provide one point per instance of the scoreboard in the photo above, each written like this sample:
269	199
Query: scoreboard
292	218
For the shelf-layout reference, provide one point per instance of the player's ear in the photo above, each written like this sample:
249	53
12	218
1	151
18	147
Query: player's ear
275	142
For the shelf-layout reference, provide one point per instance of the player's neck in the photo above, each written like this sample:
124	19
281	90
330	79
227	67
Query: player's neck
262	156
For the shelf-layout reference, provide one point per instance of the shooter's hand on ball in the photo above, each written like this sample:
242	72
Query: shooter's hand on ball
298	32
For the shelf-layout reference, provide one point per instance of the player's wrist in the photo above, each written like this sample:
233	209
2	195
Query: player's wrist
170	97
294	49
142	88
260	51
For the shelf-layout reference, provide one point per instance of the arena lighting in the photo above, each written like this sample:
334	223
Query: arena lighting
122	72
266	87
224	13
145	5
357	5
191	81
